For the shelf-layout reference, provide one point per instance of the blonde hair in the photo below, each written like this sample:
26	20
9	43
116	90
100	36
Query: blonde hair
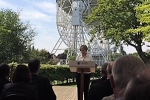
125	68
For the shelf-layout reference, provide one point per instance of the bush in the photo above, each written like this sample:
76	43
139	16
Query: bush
62	73
57	74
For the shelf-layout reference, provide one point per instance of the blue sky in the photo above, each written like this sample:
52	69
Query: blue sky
42	16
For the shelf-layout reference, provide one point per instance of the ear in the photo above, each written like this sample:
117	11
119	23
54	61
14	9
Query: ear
112	81
38	69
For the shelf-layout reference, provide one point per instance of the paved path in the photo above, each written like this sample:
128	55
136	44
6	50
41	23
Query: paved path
65	92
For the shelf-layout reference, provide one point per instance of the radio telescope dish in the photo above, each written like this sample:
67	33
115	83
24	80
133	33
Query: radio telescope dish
73	30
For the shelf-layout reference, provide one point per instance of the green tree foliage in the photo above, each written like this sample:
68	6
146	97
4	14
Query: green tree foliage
65	51
15	36
42	55
143	15
134	54
113	19
122	50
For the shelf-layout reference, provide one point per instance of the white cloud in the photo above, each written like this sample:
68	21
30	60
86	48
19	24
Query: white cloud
46	6
42	17
4	4
48	43
34	15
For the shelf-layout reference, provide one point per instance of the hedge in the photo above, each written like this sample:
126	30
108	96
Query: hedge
58	74
61	74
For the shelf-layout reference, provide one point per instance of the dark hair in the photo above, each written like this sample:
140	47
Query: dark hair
34	65
104	69
21	74
4	70
83	47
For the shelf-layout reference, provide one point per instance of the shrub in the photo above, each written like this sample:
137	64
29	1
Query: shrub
59	74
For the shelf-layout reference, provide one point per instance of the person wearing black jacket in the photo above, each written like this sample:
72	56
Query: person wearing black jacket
103	88
20	85
44	87
103	74
4	72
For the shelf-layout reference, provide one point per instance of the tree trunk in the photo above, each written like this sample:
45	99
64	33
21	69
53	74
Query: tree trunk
142	54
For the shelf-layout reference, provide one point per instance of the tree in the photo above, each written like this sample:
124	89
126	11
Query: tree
15	36
42	55
134	54
143	15
122	50
114	20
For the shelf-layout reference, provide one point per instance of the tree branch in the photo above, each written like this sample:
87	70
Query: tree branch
130	43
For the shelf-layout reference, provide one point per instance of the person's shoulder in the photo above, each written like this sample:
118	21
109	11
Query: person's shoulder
38	76
107	81
98	85
9	85
99	80
111	97
89	55
43	78
96	81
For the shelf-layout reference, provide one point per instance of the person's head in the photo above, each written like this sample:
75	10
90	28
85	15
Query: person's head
34	65
139	87
83	49
125	68
21	74
104	67
4	70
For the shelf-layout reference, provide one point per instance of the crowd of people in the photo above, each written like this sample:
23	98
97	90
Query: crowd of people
126	78
26	83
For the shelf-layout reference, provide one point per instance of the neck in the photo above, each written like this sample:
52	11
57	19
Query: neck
83	55
118	92
108	76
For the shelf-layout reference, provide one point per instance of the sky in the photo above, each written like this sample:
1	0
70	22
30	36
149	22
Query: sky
42	16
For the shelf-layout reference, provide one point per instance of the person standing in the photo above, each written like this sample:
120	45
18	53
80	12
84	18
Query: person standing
83	56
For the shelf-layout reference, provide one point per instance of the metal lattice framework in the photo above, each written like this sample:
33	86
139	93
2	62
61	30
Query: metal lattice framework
76	35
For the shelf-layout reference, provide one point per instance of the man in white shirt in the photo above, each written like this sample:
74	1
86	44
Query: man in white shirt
84	56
